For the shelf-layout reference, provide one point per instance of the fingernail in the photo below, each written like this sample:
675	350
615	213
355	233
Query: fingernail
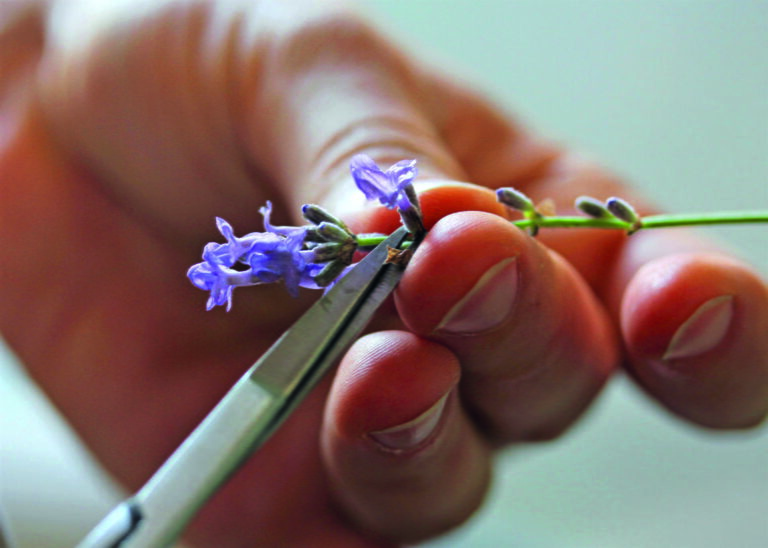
703	330
487	304
412	433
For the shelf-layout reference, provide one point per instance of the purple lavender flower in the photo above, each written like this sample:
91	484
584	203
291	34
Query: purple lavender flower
393	188
389	187
237	248
286	260
260	257
313	256
286	231
214	276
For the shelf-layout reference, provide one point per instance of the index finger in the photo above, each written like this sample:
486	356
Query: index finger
725	379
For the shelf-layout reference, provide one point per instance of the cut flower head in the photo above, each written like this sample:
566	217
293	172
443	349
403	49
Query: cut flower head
390	186
393	188
257	258
313	256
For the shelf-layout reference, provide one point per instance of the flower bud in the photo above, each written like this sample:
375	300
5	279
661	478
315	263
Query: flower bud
329	273
592	207
326	252
312	236
514	199
316	215
622	210
334	233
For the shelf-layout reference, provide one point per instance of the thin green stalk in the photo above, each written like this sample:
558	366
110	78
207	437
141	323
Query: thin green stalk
368	241
728	217
650	221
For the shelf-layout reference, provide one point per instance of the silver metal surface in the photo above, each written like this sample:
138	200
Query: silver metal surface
252	410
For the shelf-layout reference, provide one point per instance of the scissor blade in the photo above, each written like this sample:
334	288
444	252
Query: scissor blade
342	309
252	409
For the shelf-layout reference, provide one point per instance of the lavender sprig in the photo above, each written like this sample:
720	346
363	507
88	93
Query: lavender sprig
317	255
616	213
313	256
257	258
598	215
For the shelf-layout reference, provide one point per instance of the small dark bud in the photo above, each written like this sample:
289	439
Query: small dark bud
316	215
312	236
326	252
329	273
622	210
592	207
514	199
333	233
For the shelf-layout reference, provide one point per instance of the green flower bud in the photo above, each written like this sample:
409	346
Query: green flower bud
515	199
329	273
592	207
622	210
334	233
326	252
316	215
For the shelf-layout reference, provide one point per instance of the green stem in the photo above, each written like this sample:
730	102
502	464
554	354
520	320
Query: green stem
368	241
661	221
650	221
571	222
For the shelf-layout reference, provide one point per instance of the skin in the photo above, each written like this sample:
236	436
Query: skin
125	131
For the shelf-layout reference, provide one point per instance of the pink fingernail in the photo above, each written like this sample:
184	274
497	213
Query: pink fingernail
413	433
487	304
703	330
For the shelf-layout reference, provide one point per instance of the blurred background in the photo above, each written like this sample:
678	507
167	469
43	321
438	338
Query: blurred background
673	95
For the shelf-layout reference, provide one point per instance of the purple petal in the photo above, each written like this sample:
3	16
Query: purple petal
220	296
308	276
387	187
225	228
266	211
372	181
201	276
404	203
403	173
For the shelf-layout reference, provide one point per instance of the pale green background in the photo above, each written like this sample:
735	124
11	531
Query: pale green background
673	95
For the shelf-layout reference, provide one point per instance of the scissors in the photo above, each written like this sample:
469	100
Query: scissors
253	409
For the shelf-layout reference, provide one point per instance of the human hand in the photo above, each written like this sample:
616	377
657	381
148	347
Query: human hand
146	130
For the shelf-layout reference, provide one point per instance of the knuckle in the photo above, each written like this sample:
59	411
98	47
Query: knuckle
333	38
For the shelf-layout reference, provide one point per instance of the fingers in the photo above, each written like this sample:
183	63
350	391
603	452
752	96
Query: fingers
695	325
492	148
333	88
534	344
724	390
403	458
497	151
